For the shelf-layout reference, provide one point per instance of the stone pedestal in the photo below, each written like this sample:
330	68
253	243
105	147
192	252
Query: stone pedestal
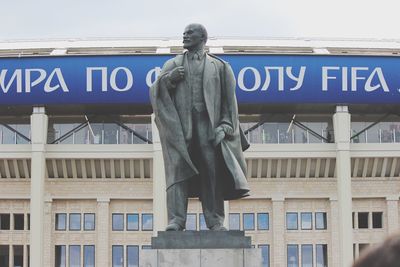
201	248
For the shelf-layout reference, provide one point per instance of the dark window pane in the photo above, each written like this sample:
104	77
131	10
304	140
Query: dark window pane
264	255
306	220
322	255
75	222
292	255
147	222
29	254
306	255
4	254
74	256
132	256
353	218
60	256
18	221
132	222
118	222
363	220
89	221
191	221
18	255
61	221
234	221
377	219
29	221
262	221
146	246
248	221
291	221
117	256
4	221
88	256
320	220
202	222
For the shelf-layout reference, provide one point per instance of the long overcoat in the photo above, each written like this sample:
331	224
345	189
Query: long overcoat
172	109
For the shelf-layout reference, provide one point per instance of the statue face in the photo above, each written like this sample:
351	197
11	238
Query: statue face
193	38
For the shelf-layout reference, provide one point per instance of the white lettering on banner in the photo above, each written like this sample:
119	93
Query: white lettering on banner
325	76
28	83
268	78
129	79
381	78
61	82
355	77
17	76
257	79
152	76
89	84
299	80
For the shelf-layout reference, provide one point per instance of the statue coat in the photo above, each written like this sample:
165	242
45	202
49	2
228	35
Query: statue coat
172	109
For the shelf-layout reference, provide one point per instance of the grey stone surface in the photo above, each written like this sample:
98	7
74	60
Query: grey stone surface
148	258
200	240
252	257
179	257
222	257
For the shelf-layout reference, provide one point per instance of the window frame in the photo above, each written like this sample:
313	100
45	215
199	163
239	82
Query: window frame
258	220
94	221
152	221
297	221
244	223
80	222
138	220
325	221
112	222
301	220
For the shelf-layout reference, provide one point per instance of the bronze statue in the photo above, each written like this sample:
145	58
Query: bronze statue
196	113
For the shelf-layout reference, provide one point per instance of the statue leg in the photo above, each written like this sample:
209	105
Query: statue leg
177	202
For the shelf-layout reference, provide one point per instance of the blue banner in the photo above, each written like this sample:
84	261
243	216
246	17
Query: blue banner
260	79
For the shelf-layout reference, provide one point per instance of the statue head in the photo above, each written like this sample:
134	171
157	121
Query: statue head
194	37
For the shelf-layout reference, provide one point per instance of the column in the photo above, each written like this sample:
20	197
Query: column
278	249
103	232
226	209
48	246
159	185
392	203
341	124
38	164
333	225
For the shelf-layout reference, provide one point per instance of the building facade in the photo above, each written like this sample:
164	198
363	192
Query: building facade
82	181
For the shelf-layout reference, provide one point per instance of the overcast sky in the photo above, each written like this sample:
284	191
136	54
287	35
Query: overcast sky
47	19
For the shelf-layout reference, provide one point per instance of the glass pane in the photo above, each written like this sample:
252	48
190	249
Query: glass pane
132	221
306	255
291	221
306	220
191	222
117	256
18	256
88	256
23	129
320	220
60	256
248	221
146	246
61	221
111	131
4	254
147	222
377	220
234	221
75	222
4	221
118	222
132	256
89	221
357	127
74	256
18	221
270	133
264	255
363	220
202	222
262	221
292	256
322	255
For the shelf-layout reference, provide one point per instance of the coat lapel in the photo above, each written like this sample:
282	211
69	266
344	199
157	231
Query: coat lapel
208	91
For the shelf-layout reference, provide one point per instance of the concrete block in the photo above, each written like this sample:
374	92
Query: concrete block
179	257
252	257
148	258
222	257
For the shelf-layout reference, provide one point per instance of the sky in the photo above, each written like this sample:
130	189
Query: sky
76	19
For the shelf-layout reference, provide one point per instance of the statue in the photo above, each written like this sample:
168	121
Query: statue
196	113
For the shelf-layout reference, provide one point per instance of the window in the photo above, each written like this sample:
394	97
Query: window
18	255
362	247
60	256
264	255
377	220
262	221
306	255
291	221
89	222
147	222
118	222
75	222
234	221
132	256
292	256
202	222
132	222
61	221
322	255
320	221
146	247
4	254
248	221
306	220
74	256
191	222
29	221
88	256
117	256
4	221
363	220
18	221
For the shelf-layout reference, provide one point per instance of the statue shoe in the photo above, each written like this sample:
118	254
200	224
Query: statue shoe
218	227
174	227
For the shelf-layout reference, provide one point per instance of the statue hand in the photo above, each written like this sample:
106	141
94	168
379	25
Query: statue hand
222	132
177	75
227	129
